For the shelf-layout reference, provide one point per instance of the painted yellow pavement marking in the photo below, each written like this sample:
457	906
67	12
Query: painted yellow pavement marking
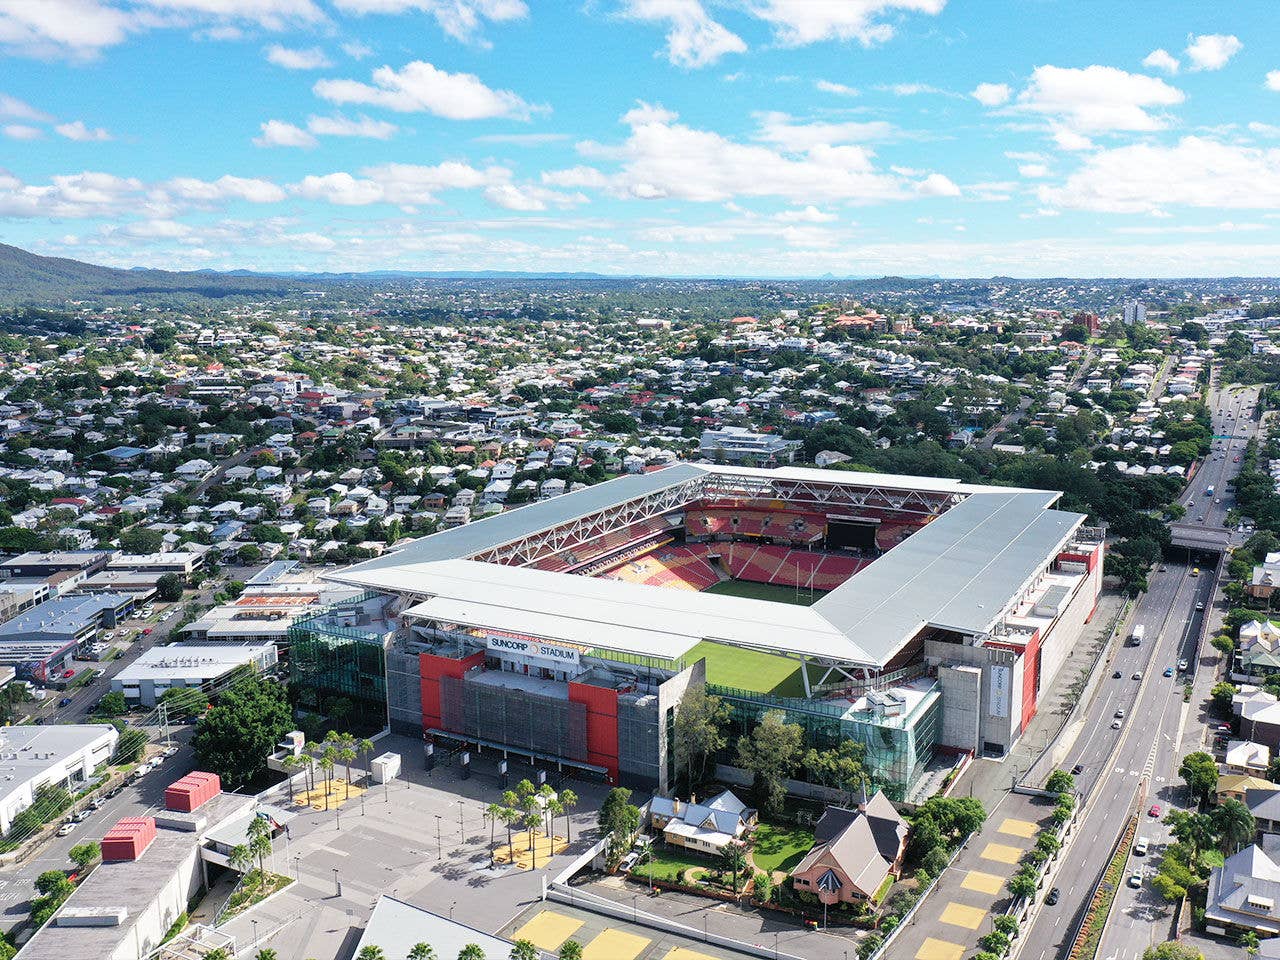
987	883
933	949
959	915
1019	828
548	930
1001	853
615	945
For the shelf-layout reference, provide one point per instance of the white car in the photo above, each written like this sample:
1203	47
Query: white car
1135	880
1140	848
66	829
1115	724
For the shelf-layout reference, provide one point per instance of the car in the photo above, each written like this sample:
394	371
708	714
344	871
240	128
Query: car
1217	500
97	802
1199	604
170	751
1195	571
1135	880
1154	811
1168	671
66	829
1077	769
1120	714
1200	519
1163	568
68	674
1115	724
146	632
1183	663
82	816
1137	675
64	701
1116	675
1140	848
1052	897
1191	503
628	861
1236	460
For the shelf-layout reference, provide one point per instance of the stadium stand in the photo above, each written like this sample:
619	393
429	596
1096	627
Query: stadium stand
779	525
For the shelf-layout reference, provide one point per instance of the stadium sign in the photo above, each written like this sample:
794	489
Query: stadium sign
535	652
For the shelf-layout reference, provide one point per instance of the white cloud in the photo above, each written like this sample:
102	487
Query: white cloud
224	188
410	185
461	19
361	126
992	94
272	14
914	89
312	58
357	49
784	131
421	87
1264	129
1197	172
76	130
22	131
1097	98
800	22
576	177
277	133
74	28
694	39
340	188
809	214
1033	170
1211	51
14	109
665	159
1273	80
1162	59
72	197
937	185
1070	140
839	89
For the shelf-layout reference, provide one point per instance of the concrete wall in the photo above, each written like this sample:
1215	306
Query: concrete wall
669	696
961	696
155	918
999	715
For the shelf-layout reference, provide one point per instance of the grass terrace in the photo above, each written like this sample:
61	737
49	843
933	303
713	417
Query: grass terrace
780	848
751	670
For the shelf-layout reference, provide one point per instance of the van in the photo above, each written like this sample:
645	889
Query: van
1140	848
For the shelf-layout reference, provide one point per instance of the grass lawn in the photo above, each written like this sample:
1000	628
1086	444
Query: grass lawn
668	863
772	592
748	669
780	848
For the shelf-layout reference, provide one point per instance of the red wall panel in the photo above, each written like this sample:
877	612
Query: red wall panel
602	724
432	668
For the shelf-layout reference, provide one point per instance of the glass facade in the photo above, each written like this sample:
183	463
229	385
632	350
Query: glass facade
897	747
335	669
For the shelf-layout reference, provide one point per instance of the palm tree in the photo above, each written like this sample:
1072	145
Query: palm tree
523	950
421	951
531	820
568	800
734	856
571	950
366	747
346	754
554	809
545	796
326	762
494	812
240	858
266	953
371	952
291	764
1234	824
310	751
260	840
471	952
511	817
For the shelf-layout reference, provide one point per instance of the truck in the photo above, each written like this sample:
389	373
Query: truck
1136	635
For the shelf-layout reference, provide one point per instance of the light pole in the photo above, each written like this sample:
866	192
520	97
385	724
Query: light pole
439	845
462	833
337	884
635	911
451	906
297	867
775	947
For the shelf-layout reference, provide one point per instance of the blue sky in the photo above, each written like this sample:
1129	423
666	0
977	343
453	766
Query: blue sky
677	137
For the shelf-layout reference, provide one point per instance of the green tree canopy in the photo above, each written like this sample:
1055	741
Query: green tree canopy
235	737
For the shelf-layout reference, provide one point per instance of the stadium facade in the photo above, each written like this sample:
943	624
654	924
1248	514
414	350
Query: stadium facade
917	616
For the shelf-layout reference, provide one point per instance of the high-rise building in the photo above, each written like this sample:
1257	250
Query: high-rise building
1135	313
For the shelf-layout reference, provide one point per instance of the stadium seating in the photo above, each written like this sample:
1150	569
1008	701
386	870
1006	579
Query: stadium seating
789	525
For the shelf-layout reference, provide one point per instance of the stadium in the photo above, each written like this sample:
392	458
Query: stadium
921	617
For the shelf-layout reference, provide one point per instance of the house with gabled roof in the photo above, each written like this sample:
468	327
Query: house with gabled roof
854	851
706	827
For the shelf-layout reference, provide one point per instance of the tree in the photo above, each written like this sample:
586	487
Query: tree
619	821
734	858
169	588
1023	884
236	736
422	951
841	768
130	745
217	953
471	952
260	840
699	732
524	950
83	854
771	753
1221	695
1199	772
240	858
185	701
568	800
1234	825
53	883
371	952
141	540
113	704
1172	950
571	950
266	953
1195	830
1060	782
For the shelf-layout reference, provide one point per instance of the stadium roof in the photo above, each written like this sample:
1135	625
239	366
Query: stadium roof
959	572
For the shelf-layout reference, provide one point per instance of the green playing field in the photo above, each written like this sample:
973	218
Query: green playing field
748	669
766	591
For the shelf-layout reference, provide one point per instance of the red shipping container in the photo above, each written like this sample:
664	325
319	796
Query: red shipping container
193	790
128	839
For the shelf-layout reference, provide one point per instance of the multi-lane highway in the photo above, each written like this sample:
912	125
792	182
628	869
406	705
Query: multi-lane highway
1135	766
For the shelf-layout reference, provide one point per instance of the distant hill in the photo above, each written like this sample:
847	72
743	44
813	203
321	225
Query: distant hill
29	279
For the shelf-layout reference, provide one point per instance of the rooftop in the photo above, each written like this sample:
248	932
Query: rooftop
184	661
26	751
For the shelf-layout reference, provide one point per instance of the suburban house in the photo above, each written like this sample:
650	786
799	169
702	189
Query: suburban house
1247	757
1243	893
854	851
1234	786
1259	648
706	827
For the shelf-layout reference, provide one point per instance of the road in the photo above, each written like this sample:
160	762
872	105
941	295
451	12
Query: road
1140	768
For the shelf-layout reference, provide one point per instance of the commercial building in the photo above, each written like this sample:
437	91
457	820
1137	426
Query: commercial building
41	565
182	562
568	631
35	756
740	445
40	641
205	667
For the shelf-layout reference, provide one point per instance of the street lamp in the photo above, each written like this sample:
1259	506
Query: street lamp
297	867
635	911
439	845
451	906
775	947
462	833
255	933
337	884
